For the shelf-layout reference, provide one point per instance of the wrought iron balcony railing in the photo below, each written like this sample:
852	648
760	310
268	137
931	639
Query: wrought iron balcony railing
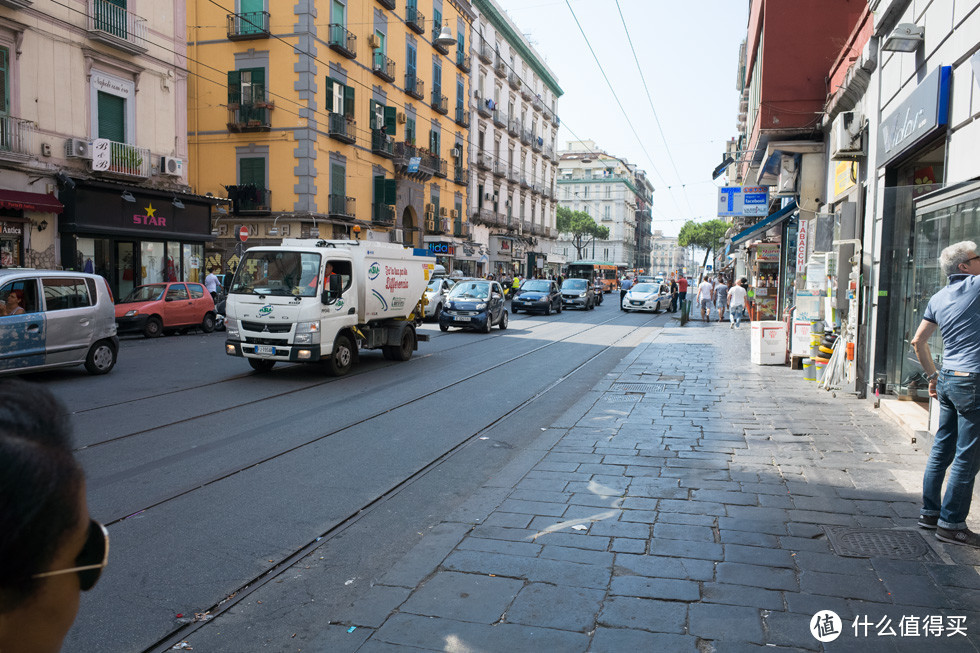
415	19
383	67
463	61
16	137
342	40
342	128
439	102
414	86
382	144
340	206
124	159
383	214
114	25
462	117
248	25
249	199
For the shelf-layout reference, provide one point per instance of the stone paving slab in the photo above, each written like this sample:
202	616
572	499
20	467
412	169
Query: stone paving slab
682	505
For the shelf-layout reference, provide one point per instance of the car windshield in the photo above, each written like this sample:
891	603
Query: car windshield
470	290
145	294
277	273
644	287
536	285
574	284
435	283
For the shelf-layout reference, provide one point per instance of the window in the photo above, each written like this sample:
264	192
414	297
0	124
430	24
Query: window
608	192
436	78
410	129
196	290
383	118
338	13
338	189
384	190
340	98
606	216
177	292
28	294
251	170
112	117
460	95
251	10
5	88
246	88
382	42
64	293
410	63
434	138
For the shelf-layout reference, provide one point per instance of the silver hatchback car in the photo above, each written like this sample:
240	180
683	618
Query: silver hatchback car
54	318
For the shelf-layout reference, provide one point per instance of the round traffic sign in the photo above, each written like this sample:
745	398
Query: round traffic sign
243	233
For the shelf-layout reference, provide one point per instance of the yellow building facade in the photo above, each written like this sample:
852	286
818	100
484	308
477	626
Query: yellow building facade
330	119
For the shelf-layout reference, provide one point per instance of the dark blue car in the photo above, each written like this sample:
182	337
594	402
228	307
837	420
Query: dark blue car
476	304
537	295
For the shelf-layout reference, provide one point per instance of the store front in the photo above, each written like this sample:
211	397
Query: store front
444	252
133	236
770	254
506	255
21	215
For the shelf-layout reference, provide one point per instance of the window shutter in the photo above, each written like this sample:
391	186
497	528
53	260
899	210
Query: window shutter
379	189
410	65
390	123
251	170
349	101
112	117
374	115
391	189
338	181
4	81
234	87
330	83
258	84
410	130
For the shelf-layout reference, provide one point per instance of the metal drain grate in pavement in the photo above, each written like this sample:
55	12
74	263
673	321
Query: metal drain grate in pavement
880	543
639	387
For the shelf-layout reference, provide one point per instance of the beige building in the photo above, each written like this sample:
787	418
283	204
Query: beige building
665	255
93	140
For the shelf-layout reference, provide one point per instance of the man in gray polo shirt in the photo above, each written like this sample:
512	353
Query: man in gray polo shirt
955	310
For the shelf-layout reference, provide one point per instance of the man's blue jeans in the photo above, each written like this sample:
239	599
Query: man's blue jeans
737	314
957	447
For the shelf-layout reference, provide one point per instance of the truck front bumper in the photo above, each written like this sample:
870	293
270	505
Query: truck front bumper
281	353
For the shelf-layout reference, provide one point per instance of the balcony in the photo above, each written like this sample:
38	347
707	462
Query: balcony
441	168
383	67
111	24
499	118
462	117
390	4
555	120
526	136
484	161
123	160
415	19
435	36
500	67
249	199
499	169
537	103
342	128
461	176
428	164
514	127
250	25
514	80
342	40
485	53
536	143
340	206
513	175
526	92
439	102
383	214
250	116
463	61
414	86
16	138
483	108
461	229
549	152
382	144
526	225
525	182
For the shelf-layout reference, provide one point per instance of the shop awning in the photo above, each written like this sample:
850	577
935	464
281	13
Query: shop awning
18	200
761	226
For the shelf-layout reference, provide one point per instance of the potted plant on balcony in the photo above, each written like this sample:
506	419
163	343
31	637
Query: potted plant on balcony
127	161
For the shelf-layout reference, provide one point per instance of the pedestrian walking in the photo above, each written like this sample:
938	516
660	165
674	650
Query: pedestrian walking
624	287
737	298
721	297
705	297
211	282
673	294
681	291
955	311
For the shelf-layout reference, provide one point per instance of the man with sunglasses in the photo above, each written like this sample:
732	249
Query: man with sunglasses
51	549
955	311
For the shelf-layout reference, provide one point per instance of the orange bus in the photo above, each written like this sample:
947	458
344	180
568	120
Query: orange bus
592	270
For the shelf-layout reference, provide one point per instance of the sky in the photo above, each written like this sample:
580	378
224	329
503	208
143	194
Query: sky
688	52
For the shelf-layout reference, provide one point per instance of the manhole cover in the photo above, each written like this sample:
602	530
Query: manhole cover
619	398
639	387
879	543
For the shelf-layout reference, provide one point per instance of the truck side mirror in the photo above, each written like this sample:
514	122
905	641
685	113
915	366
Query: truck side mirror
328	297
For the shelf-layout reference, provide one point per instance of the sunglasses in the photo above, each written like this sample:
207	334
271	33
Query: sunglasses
93	557
971	260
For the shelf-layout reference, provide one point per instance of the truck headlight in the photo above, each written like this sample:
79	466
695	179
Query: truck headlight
231	329
307	333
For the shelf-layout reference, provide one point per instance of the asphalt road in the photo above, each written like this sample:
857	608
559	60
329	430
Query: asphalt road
212	478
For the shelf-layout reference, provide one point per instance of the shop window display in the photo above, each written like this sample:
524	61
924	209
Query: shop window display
193	263
153	262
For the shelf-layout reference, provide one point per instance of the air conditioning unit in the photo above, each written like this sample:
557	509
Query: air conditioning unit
789	172
374	42
443	210
171	166
476	93
76	148
847	136
489	196
455	152
454	214
430	223
396	235
429	208
401	118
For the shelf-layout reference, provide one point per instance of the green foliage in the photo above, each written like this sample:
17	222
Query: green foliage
703	235
582	227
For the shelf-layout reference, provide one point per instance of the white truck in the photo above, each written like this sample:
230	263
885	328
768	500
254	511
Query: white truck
320	301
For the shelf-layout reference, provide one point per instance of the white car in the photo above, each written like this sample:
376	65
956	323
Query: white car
646	297
435	296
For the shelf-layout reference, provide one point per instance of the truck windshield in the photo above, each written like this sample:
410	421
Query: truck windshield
277	273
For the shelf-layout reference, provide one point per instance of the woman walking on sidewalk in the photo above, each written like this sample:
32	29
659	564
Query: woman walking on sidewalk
736	302
955	310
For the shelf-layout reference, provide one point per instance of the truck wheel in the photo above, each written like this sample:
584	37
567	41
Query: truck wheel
101	358
403	351
342	357
261	365
503	321
153	327
207	324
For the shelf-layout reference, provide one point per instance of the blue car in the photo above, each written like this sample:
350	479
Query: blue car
476	304
537	295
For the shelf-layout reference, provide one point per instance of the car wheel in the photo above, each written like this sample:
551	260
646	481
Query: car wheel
403	351
153	327
444	327
489	324
503	321
207	324
261	365
547	309
342	357
101	358
560	306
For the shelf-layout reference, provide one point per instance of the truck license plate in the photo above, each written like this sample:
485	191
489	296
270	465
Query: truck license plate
265	350
463	318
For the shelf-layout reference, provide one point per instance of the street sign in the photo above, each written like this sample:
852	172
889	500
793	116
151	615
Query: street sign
743	201
243	233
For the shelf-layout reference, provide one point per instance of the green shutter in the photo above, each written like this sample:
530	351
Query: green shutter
330	82
390	124
5	81
379	189
251	170
338	181
391	189
349	101
410	130
234	87
434	142
112	117
258	84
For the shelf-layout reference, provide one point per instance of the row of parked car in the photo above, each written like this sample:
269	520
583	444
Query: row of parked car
55	318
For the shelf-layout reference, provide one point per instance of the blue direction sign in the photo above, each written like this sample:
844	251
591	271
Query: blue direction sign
743	201
413	163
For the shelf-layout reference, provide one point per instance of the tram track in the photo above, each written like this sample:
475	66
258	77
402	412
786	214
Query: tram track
287	562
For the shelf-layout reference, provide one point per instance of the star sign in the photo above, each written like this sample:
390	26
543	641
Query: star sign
150	211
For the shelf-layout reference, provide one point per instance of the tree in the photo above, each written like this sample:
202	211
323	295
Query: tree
704	235
581	226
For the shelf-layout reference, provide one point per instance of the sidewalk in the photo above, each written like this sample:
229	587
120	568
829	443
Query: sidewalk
686	504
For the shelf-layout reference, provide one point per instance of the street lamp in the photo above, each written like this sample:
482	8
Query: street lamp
906	37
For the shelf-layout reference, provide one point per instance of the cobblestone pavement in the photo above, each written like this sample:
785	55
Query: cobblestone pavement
688	503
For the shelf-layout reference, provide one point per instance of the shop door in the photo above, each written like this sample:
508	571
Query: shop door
125	269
